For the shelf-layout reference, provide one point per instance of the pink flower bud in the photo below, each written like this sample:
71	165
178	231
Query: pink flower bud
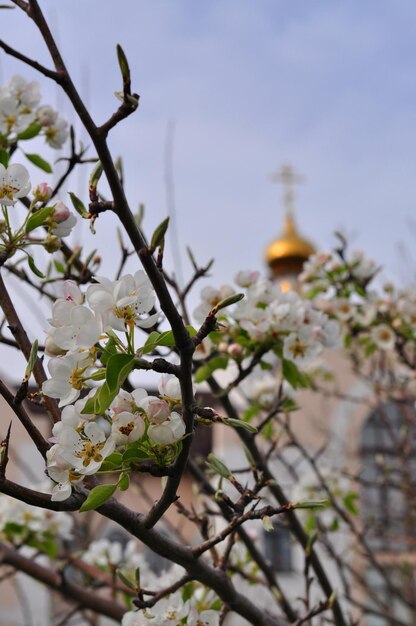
46	116
157	411
60	213
42	192
246	278
235	350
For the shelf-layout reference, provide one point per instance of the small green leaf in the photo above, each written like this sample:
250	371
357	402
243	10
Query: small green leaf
218	466
39	162
124	65
350	500
309	504
59	267
95	176
124	481
125	580
293	376
78	205
112	462
252	411
30	132
288	405
97	497
119	367
38	218
31	360
135	455
158	236
98	374
33	267
205	371
240	424
228	302
4	158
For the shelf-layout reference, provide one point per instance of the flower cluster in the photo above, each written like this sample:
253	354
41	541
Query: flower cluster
20	111
85	347
268	320
194	605
76	328
374	323
29	525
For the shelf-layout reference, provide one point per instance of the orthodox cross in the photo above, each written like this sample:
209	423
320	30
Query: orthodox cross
288	179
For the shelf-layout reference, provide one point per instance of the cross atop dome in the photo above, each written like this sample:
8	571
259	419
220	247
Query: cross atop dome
288	178
285	256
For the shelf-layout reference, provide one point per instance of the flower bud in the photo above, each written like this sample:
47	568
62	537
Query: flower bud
52	349
46	116
235	350
52	243
60	213
42	192
157	410
2	226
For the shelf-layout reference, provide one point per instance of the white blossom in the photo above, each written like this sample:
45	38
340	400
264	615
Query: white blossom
14	183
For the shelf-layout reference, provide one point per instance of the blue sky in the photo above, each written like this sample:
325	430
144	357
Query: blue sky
327	85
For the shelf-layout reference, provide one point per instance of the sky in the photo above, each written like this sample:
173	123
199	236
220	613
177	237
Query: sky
326	85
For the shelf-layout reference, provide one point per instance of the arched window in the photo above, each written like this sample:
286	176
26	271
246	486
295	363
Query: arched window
388	477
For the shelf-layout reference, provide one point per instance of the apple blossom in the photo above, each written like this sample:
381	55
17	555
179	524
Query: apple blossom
127	427
68	376
167	432
14	183
123	302
57	133
170	388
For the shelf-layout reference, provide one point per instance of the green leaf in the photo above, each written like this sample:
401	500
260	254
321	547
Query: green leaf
95	176
38	218
228	302
33	267
218	466
112	462
47	545
288	405
309	504
240	424
205	371
125	580
4	158
350	500
39	162
30	132
158	237
124	481
135	455
32	359
59	267
98	374
119	367
252	411
370	349
97	497
293	376
187	591
124	65
78	205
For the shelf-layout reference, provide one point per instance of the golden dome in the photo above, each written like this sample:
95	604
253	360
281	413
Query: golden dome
287	254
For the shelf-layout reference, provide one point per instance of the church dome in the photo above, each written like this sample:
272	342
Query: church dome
287	254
